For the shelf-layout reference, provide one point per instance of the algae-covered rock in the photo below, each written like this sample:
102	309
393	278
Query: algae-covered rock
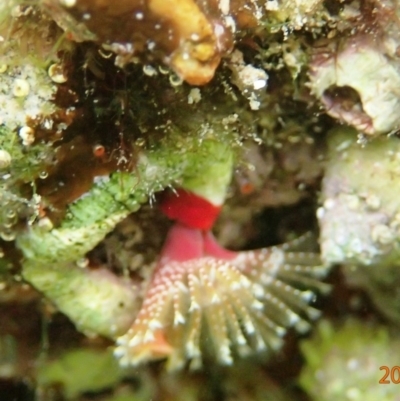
296	12
81	370
28	110
344	363
198	34
359	217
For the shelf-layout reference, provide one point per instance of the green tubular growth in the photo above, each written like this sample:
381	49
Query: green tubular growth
212	181
100	302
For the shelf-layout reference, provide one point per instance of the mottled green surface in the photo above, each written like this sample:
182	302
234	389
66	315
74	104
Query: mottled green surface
343	362
81	370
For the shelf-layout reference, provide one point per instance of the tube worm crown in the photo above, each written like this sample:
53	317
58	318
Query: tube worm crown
205	300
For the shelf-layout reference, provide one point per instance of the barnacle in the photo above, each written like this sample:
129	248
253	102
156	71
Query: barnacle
241	302
365	100
356	74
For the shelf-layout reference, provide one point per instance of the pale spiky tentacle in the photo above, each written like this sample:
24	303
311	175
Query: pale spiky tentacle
224	304
286	281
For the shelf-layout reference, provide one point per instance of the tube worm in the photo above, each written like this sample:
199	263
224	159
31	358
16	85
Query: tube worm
204	299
